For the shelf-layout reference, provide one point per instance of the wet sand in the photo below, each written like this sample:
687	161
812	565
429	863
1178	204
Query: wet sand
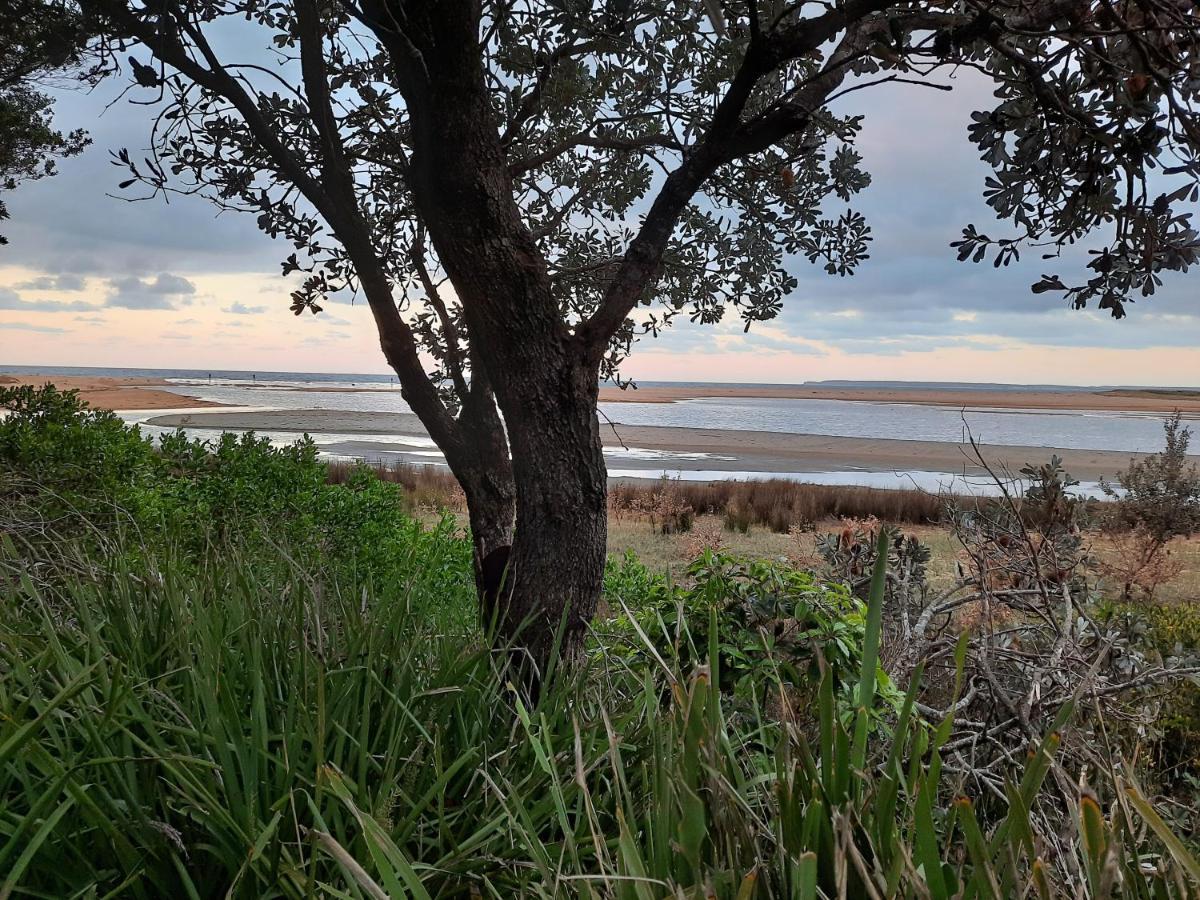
729	451
103	392
1187	402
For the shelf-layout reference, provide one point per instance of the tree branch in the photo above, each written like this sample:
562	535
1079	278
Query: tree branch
724	140
586	139
396	338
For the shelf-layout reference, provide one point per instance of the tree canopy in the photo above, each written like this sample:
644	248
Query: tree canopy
38	40
635	127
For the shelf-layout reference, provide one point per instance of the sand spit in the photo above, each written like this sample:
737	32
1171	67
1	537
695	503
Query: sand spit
104	392
1188	402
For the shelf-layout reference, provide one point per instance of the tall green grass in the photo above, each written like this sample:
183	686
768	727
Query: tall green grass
223	727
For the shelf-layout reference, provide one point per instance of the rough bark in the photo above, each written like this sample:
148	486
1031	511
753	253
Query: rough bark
487	482
557	564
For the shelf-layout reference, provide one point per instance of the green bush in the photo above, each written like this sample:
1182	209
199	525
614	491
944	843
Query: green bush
61	462
1173	630
68	469
765	620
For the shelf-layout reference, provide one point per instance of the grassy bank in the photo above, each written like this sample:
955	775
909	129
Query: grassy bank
224	672
674	551
231	732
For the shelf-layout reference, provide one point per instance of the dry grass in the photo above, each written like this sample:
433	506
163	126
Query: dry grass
673	552
430	488
777	504
775	519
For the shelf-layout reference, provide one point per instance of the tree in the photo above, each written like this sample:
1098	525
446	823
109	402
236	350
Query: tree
520	189
38	40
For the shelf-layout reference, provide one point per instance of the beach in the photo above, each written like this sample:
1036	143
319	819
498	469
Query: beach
106	392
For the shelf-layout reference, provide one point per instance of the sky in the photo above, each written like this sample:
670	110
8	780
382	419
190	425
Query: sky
91	280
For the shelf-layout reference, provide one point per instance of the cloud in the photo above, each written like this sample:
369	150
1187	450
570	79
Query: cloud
64	282
10	299
164	291
911	295
241	309
26	326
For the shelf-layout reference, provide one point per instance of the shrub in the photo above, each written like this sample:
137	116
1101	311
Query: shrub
70	470
1172	631
62	462
779	504
767	623
1022	618
1158	501
706	536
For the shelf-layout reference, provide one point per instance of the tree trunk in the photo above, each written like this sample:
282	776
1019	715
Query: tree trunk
543	376
491	510
556	570
481	463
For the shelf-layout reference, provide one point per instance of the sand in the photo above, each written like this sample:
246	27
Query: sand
727	451
1187	402
104	392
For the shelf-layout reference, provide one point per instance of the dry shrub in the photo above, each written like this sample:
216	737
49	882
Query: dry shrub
801	551
671	504
665	505
429	488
706	534
1158	501
1138	559
779	504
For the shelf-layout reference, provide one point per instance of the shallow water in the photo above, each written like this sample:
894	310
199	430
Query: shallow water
1068	429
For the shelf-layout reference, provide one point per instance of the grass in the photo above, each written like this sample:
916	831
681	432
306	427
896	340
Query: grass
428	487
764	512
249	730
775	503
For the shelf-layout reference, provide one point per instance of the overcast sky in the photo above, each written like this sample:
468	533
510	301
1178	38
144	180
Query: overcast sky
89	280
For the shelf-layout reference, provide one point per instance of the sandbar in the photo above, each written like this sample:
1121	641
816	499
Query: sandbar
1160	401
108	392
711	449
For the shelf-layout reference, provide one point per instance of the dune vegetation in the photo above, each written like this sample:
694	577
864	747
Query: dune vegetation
225	673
